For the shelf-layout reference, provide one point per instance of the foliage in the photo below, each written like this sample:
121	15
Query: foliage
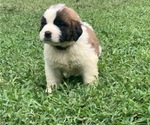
122	96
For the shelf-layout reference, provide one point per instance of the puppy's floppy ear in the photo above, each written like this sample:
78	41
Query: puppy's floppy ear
76	30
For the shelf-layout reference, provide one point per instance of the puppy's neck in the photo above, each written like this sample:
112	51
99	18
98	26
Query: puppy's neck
62	48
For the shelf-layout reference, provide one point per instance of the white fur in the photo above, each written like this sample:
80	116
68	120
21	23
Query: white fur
88	25
53	29
57	7
50	15
80	59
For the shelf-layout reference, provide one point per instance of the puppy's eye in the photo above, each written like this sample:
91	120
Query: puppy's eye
60	24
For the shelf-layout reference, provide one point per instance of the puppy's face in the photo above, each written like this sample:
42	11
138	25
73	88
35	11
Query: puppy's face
60	25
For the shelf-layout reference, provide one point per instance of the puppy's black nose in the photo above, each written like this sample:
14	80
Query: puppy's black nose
48	34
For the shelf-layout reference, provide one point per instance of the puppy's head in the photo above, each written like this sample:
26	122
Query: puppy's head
60	25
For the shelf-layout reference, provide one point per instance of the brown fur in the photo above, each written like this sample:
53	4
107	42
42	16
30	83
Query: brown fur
68	15
71	13
93	40
72	22
73	16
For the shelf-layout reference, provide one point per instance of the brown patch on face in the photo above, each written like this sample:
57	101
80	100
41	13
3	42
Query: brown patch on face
92	39
72	15
68	22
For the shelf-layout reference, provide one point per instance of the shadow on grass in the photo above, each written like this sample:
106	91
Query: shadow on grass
67	83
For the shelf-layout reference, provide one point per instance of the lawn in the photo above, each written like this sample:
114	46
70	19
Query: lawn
122	95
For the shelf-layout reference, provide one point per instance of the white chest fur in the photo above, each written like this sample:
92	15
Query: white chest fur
74	59
71	60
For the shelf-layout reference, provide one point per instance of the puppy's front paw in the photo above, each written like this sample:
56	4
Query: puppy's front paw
48	90
90	80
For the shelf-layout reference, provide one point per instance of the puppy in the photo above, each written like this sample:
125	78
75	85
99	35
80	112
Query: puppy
70	46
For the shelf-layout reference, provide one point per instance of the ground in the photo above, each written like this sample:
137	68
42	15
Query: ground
122	95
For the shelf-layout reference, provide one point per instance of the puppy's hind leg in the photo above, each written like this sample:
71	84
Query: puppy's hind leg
53	76
90	74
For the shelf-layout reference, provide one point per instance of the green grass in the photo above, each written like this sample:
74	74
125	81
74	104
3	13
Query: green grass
122	96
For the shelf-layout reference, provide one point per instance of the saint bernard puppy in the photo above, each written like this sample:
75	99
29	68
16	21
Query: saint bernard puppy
70	46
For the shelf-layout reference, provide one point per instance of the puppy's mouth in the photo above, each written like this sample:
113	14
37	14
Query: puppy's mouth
49	41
